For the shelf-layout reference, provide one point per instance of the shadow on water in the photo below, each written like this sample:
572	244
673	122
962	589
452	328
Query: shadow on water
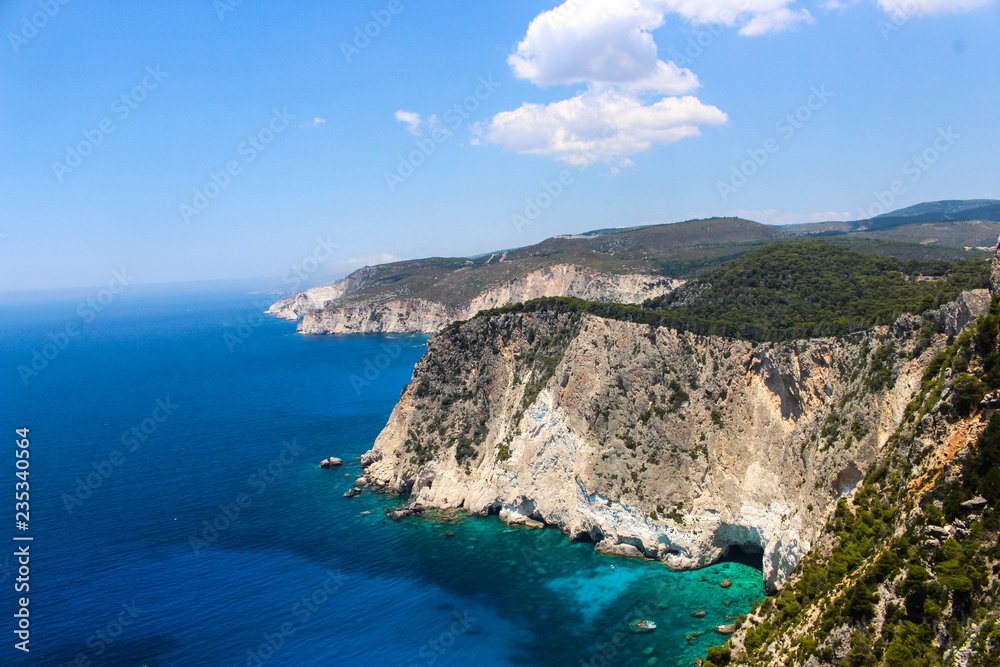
750	557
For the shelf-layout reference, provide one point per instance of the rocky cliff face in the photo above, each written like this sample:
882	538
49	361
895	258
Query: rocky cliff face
336	309
645	440
294	307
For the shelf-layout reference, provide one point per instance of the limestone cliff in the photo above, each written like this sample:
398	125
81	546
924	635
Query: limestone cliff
342	307
294	307
646	440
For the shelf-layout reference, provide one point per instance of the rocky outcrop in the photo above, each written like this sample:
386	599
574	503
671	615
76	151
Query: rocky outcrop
995	272
645	440
395	316
294	307
336	309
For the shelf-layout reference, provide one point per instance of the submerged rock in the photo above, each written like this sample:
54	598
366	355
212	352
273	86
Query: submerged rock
699	614
642	625
726	583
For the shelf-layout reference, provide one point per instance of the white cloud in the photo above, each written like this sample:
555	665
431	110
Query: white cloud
756	17
777	21
412	120
911	8
599	125
314	123
598	42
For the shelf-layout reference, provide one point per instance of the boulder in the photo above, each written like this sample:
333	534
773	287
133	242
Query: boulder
937	532
325	463
726	629
990	400
334	461
975	505
370	457
360	481
606	546
350	493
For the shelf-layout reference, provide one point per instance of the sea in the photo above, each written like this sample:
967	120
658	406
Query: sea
178	515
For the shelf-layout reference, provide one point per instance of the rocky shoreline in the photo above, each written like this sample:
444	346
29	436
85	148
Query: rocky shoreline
663	445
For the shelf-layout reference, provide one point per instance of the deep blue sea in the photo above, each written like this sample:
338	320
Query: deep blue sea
179	516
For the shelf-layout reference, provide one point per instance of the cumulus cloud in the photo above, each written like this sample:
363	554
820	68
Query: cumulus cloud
598	42
599	125
633	100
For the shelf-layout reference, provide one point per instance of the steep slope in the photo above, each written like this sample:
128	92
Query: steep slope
907	570
421	315
424	295
646	440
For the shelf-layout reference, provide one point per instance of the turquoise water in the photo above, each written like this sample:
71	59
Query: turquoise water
140	558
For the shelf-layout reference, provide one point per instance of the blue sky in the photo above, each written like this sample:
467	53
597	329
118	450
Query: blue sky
251	139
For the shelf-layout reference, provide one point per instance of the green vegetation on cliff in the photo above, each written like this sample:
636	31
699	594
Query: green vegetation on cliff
804	289
912	574
788	291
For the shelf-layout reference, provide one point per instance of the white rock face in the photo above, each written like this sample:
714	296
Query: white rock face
395	316
294	307
324	309
643	439
575	281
